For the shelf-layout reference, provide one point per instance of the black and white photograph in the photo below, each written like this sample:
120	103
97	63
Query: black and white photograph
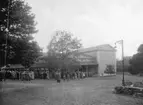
71	52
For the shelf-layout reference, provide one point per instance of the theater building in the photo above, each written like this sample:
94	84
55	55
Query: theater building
97	60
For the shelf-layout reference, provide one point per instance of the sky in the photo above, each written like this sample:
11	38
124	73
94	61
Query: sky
95	22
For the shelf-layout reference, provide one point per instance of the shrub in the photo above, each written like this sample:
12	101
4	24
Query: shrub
138	84
119	89
141	74
132	71
109	69
128	83
128	90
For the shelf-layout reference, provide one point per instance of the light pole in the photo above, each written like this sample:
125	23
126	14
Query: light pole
122	45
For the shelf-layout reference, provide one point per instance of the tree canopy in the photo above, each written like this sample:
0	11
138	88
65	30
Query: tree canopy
62	48
137	62
126	64
140	49
19	31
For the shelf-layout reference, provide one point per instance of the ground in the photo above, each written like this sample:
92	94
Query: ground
89	91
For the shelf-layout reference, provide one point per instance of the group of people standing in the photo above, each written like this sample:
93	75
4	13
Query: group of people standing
16	75
42	74
70	75
23	75
31	75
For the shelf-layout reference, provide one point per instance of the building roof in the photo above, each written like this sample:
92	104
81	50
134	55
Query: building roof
39	65
15	66
105	47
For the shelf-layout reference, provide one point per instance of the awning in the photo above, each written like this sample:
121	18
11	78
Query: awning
14	66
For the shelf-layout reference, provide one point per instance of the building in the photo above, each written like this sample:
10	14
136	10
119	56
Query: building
15	67
98	60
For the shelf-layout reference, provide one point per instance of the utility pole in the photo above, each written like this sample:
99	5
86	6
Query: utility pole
123	81
7	33
122	45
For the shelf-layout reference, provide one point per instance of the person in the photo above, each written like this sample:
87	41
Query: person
2	76
83	73
44	75
28	78
22	75
30	74
33	75
58	76
75	75
47	74
68	76
17	75
78	74
64	76
13	75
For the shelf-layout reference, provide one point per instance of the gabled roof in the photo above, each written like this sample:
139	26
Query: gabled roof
15	66
39	65
105	47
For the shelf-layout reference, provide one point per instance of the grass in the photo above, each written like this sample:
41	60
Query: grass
89	91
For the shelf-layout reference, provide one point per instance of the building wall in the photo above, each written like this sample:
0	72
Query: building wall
105	58
93	69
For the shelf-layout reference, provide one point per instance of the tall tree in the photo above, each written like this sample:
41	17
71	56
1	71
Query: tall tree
64	46
19	30
30	55
126	64
140	49
137	62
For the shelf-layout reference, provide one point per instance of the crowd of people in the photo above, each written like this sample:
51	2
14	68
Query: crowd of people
31	75
16	75
70	75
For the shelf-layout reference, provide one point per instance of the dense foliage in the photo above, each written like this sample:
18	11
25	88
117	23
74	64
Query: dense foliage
126	64
137	62
134	89
63	49
20	43
110	69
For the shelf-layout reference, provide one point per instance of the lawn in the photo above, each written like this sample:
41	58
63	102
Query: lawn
89	91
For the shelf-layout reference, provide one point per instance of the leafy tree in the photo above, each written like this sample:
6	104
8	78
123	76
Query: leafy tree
30	55
137	62
63	47
109	69
140	49
19	30
126	64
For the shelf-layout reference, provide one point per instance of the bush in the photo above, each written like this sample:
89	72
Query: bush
119	89
128	90
128	83
141	74
124	90
138	84
109	69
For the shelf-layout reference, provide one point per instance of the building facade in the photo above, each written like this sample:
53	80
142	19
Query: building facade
99	60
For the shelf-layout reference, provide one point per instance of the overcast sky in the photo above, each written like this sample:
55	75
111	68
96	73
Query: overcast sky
95	22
